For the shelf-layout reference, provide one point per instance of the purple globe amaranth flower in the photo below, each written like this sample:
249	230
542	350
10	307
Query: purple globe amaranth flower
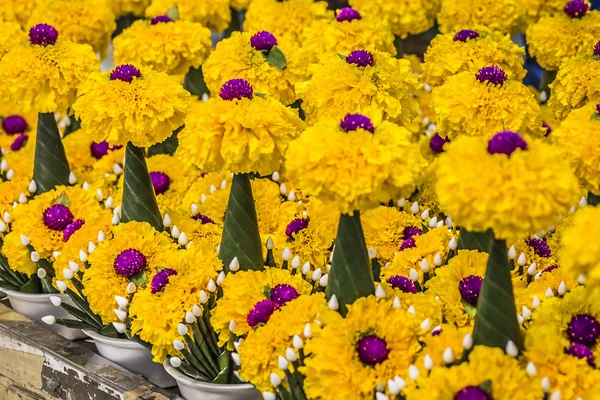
161	279
14	124
469	289
203	218
584	329
129	262
465	34
403	283
57	217
361	58
372	350
282	294
576	8
160	19
598	108
263	41
352	122
99	150
125	73
581	351
548	129
506	143
550	268
408	243
472	393
296	226
236	89
72	228
492	74
19	142
411	231
261	312
43	35
347	14
539	246
436	144
160	181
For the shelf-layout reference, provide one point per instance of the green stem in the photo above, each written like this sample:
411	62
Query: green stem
350	276
139	201
194	82
50	166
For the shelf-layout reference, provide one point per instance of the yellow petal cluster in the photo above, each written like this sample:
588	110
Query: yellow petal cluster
124	7
214	14
12	36
501	15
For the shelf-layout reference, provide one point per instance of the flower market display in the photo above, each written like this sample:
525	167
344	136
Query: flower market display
288	200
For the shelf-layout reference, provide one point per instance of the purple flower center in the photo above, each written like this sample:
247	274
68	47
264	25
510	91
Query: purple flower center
597	49
129	262
57	217
584	329
261	312
464	35
296	226
14	124
550	268
347	14
281	294
372	350
576	8
361	58
263	41
506	143
472	393
581	351
125	73
402	283
469	289
161	279
204	219
491	74
411	231
99	150
352	122
539	246
72	228
19	142
408	244
160	19
236	89
43	35
160	181
598	108
548	129
437	143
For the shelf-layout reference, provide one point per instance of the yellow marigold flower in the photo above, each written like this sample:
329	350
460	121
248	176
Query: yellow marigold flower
579	138
17	128
199	228
285	19
78	147
385	229
214	14
405	17
81	21
509	379
10	191
458	285
251	297
553	277
21	162
554	39
132	248
569	374
45	77
484	103
172	47
12	37
536	9
579	255
355	164
124	7
471	50
140	106
171	179
260	351
359	82
241	56
238	132
441	338
374	343
18	10
504	15
506	184
577	83
17	255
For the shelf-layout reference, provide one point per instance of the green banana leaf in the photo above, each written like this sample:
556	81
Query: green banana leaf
50	166
139	201
194	82
475	240
496	320
168	146
351	275
241	238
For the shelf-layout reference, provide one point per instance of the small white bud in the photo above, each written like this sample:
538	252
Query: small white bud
109	203
211	286
212	189
56	301
99	195
296	262
546	384
82	257
381	396
101	236
401	202
183	239
399	382
307	331
116	219
119	327
286	254
521	260
448	222
372	253
333	303
283	189
117	169
413	372
6	217
437	260
511	349
275	176
121	301
426	324
196	310
526	312
270	245
392	387
412	310
35	256
520	319
531	270
448	356
275	379
583	202
202	198
3	227
85	186
549	293
167	220
10	174
68	274
182	329
555	396
425	214
467	341
22	198
203	297
324	280
121	314
380	292
61	286
582	278
512	252
535	303
414	208
424	265
232	326
3	165
190	318
175	231
433	222
131	288
297	341
41	273
291	196
290	354
316	275
268	396
49	319
283	363
453	244
24	240
220	278
72	178
175	362
194	209
236	359
234	265
306	268
396	303
413	275
178	344
562	288
428	362
531	369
